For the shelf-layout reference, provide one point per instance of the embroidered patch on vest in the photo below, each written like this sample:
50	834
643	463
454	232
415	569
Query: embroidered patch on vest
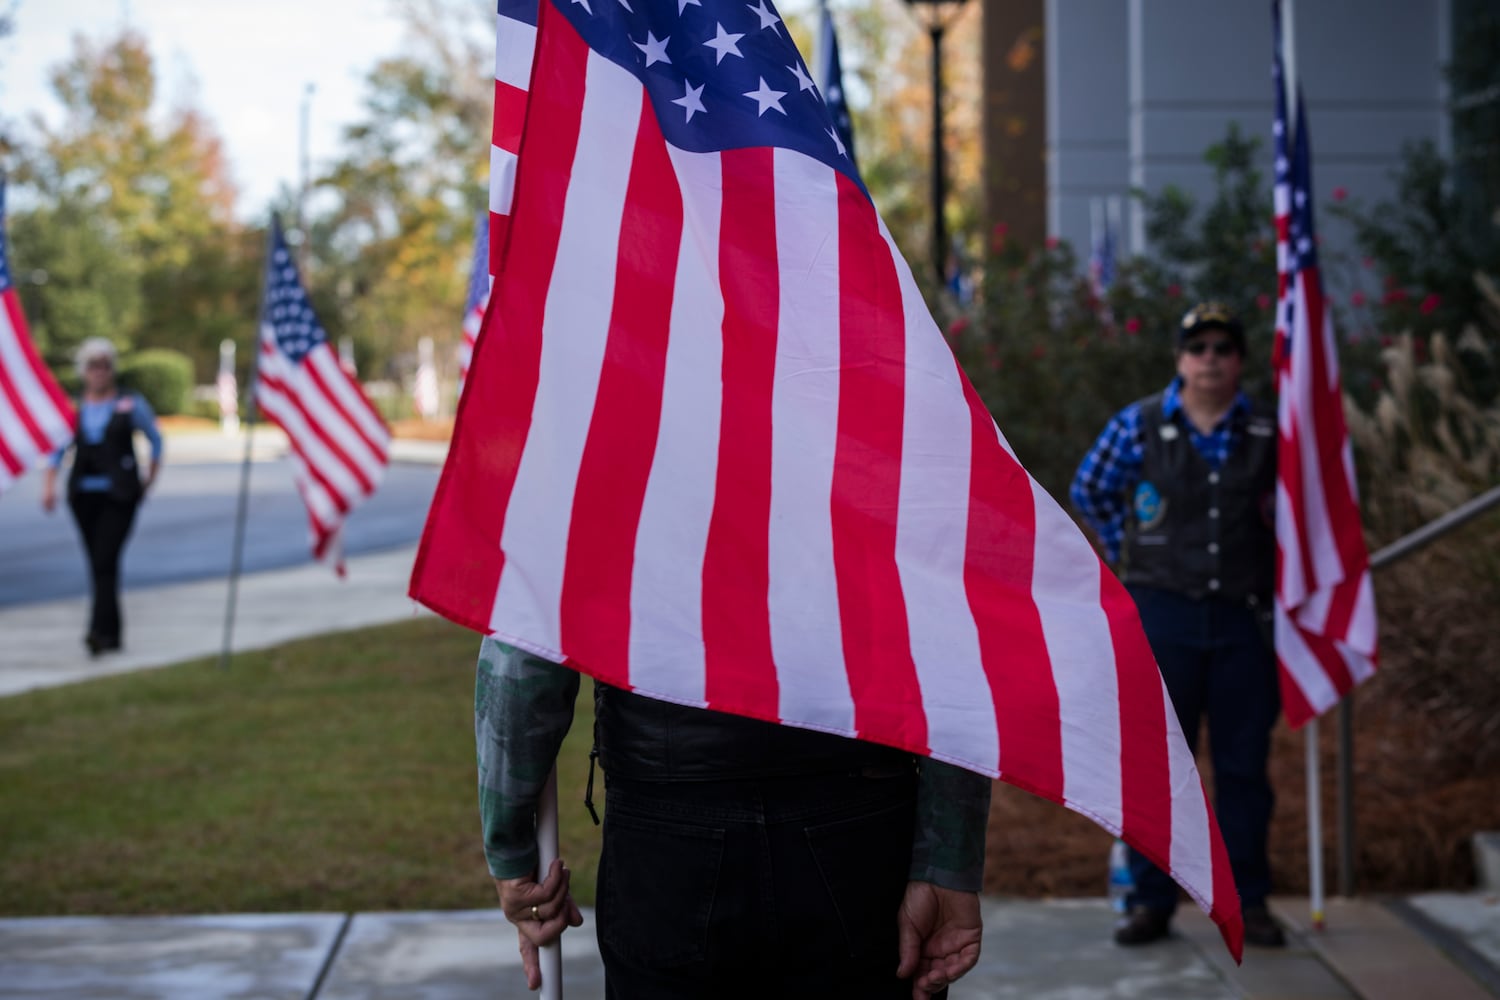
1150	506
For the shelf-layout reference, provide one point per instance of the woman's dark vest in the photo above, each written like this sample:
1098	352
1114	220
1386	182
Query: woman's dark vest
644	739
113	456
1200	531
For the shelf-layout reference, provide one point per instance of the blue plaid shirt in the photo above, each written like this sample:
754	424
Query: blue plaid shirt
1112	468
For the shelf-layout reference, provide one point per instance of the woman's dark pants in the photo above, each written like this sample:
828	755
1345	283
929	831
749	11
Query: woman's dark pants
104	523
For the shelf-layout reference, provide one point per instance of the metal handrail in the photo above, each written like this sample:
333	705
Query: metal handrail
1435	529
1399	549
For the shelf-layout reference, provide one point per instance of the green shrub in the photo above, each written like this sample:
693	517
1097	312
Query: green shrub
164	377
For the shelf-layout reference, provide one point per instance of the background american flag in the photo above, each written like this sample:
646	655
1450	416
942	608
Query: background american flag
340	445
1325	603
478	298
36	418
724	457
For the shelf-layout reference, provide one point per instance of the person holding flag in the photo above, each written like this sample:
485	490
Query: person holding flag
1180	488
724	462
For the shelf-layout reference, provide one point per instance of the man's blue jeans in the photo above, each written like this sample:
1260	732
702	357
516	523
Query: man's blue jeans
1216	662
783	887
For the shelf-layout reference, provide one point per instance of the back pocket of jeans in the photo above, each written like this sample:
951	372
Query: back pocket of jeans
657	881
865	861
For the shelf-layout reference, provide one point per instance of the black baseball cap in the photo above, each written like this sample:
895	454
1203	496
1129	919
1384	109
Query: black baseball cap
1211	316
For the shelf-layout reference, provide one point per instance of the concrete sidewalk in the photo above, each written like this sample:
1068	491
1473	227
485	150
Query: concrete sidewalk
1047	950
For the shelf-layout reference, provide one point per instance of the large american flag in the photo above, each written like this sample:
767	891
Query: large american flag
1325	604
340	445
36	417
478	298
724	457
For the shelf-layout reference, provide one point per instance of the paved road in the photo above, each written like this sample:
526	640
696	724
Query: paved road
185	530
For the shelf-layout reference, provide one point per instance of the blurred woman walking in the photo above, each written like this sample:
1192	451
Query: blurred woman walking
104	486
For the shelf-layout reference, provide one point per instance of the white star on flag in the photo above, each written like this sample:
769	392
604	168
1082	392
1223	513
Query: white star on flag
692	101
655	49
725	44
766	97
804	82
768	18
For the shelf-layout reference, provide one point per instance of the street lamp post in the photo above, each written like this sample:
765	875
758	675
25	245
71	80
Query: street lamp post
302	181
936	15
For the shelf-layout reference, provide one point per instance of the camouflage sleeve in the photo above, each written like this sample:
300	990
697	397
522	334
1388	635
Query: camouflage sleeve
953	809
523	707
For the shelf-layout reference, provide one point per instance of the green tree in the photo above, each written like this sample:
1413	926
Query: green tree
394	247
132	217
888	79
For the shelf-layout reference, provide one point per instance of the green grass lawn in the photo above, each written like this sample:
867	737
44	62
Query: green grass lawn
330	774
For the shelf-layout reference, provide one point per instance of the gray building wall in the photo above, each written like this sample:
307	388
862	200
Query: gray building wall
1138	89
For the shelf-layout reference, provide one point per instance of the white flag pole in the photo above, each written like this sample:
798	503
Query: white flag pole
546	848
1314	826
1310	731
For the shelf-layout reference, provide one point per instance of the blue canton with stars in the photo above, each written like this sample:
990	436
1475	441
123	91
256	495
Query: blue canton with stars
285	308
1303	240
4	254
721	74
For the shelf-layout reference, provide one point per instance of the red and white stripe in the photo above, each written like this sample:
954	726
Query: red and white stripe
737	467
515	41
36	417
1326	638
473	319
340	445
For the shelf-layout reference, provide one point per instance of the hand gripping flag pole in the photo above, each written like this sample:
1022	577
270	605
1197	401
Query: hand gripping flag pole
550	956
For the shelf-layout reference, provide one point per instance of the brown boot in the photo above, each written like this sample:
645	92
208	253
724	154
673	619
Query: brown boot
1143	926
1261	929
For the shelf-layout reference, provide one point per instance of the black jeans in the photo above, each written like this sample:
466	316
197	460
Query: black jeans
104	523
754	888
1216	663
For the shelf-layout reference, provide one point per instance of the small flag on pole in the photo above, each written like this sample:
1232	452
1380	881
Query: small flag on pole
425	396
36	418
831	80
227	389
724	457
480	282
1102	248
1325	603
340	445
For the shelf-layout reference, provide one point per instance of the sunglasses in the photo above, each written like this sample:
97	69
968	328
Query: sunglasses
1222	348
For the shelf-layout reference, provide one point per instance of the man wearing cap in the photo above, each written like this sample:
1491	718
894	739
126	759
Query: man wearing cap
1180	488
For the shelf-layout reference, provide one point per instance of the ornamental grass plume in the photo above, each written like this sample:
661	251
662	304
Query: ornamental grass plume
1426	445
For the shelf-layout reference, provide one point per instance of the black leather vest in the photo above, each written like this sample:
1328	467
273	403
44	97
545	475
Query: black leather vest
644	739
1200	531
113	456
